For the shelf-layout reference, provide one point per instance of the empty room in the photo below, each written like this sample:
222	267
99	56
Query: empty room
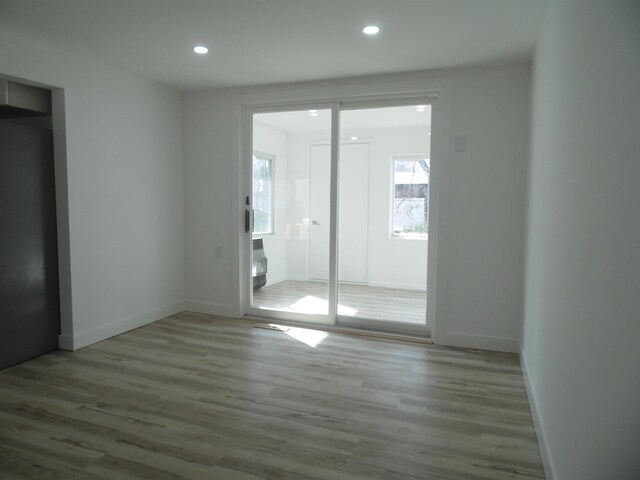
330	239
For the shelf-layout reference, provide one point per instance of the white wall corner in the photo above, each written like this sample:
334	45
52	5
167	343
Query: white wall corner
83	339
543	445
209	308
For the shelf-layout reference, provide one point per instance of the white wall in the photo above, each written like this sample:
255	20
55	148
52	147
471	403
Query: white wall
209	194
480	244
486	198
582	321
392	262
123	144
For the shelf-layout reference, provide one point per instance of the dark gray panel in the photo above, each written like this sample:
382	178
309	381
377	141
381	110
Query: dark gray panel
29	302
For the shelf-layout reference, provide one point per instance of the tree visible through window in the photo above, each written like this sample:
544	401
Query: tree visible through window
410	212
262	194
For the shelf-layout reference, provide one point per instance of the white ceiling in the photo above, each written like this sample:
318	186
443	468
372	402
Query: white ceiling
255	42
350	120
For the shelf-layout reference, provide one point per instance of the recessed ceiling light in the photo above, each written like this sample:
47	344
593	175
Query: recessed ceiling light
314	114
200	49
371	29
421	107
313	111
354	138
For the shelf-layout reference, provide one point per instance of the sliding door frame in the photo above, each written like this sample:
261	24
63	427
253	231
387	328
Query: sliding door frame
390	325
247	248
336	106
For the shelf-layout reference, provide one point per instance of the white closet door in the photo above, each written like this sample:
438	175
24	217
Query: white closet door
353	203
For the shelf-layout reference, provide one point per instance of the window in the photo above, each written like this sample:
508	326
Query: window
410	190
262	194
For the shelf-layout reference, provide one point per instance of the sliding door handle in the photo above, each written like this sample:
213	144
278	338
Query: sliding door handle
247	221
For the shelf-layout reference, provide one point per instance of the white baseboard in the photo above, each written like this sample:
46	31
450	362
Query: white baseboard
83	339
209	308
274	280
65	342
543	446
296	278
483	342
402	286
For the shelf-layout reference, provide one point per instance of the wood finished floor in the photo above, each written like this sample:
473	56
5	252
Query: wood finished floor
200	397
376	303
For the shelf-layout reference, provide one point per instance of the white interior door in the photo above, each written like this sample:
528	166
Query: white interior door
353	199
319	179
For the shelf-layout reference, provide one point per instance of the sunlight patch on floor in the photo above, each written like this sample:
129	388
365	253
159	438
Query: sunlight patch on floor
311	304
348	311
314	306
313	338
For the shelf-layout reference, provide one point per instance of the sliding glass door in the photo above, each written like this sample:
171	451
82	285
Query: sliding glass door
337	216
383	212
290	234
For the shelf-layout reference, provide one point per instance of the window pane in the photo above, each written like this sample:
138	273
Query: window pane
410	196
262	194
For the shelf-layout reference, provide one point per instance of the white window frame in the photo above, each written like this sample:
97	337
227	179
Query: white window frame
392	197
272	160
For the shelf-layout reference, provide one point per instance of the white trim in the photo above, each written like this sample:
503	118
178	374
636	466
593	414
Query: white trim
65	342
83	339
58	117
246	191
333	211
483	342
404	328
543	445
402	286
296	277
209	308
274	280
440	155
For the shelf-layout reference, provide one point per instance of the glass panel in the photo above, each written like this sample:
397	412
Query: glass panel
383	215
410	212
290	201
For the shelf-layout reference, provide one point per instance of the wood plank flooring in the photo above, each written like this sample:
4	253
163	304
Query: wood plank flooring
363	301
200	397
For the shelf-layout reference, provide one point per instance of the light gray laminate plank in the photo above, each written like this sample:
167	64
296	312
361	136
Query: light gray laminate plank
195	396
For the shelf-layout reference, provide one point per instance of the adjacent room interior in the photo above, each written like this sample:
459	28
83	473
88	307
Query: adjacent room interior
382	229
349	239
